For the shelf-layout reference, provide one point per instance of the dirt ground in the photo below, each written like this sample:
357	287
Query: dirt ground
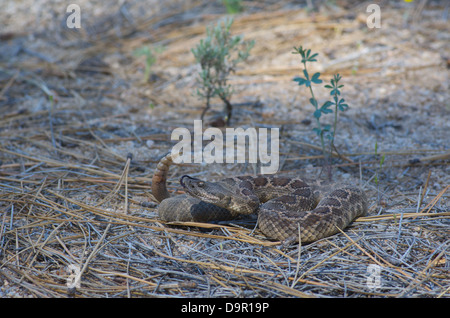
74	109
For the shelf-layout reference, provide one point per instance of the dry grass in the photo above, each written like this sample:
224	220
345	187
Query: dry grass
70	195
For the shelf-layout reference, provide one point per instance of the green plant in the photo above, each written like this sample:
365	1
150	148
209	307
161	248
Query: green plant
383	157
150	58
233	6
339	104
218	54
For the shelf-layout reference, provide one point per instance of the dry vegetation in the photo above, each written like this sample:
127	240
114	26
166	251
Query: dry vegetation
70	195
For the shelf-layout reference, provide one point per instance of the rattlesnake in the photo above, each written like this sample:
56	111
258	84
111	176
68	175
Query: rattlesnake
288	208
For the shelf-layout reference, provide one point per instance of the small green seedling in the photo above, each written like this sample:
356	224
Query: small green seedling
233	6
150	58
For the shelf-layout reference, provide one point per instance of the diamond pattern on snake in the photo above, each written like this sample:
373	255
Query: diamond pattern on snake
288	208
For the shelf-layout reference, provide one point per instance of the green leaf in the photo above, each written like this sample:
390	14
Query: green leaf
327	104
299	80
317	113
382	160
297	50
325	107
315	78
305	72
313	101
335	92
317	131
312	57
341	105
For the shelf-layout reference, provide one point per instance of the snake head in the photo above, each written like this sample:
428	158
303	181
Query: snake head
212	192
191	183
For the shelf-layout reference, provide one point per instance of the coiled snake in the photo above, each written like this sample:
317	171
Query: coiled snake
288	208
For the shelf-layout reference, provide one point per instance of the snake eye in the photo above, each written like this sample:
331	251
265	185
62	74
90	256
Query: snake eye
201	184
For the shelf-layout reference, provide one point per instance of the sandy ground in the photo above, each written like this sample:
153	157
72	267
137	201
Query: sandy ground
62	158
